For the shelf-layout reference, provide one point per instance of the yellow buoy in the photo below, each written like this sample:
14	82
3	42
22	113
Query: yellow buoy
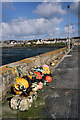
20	82
29	76
46	70
53	64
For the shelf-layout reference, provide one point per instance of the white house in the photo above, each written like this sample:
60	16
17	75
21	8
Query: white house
13	42
28	43
39	42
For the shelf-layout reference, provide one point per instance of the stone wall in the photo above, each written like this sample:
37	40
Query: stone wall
7	74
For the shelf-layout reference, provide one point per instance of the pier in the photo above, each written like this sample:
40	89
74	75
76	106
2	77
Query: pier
60	98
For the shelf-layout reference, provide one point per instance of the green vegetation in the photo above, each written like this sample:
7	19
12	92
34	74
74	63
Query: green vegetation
43	45
36	110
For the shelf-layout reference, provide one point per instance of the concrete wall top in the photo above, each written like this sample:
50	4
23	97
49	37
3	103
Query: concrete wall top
4	69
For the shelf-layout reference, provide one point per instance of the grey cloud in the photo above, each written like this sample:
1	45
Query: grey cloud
24	28
70	27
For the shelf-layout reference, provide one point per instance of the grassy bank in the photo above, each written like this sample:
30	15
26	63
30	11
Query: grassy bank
42	45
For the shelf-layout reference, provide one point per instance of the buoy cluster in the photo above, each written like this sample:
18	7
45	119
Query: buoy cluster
25	88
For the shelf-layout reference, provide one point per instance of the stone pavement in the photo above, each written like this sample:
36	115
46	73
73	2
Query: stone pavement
65	82
60	98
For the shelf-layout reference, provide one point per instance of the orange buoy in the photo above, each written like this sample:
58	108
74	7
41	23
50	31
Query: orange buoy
46	66
48	78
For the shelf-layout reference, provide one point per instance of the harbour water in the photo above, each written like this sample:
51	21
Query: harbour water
9	55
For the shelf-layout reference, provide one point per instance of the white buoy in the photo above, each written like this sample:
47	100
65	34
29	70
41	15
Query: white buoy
15	102
24	104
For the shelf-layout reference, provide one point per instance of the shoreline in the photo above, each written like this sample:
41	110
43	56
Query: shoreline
35	46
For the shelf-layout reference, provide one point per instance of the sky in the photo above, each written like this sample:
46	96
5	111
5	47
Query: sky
38	20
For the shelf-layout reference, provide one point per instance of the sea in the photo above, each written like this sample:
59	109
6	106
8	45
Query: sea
11	54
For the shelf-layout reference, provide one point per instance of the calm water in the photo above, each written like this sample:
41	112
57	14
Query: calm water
10	55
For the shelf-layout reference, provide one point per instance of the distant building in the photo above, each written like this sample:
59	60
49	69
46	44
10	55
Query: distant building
36	41
55	40
49	40
10	42
20	42
61	40
26	41
29	43
76	40
39	41
13	42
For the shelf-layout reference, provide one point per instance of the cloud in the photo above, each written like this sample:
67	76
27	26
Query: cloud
20	28
50	10
51	16
0	32
71	29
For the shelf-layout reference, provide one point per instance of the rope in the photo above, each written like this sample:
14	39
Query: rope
7	98
15	70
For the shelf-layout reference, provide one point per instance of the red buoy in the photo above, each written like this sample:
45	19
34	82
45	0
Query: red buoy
48	78
38	75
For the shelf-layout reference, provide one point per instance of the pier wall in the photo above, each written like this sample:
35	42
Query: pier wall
7	74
